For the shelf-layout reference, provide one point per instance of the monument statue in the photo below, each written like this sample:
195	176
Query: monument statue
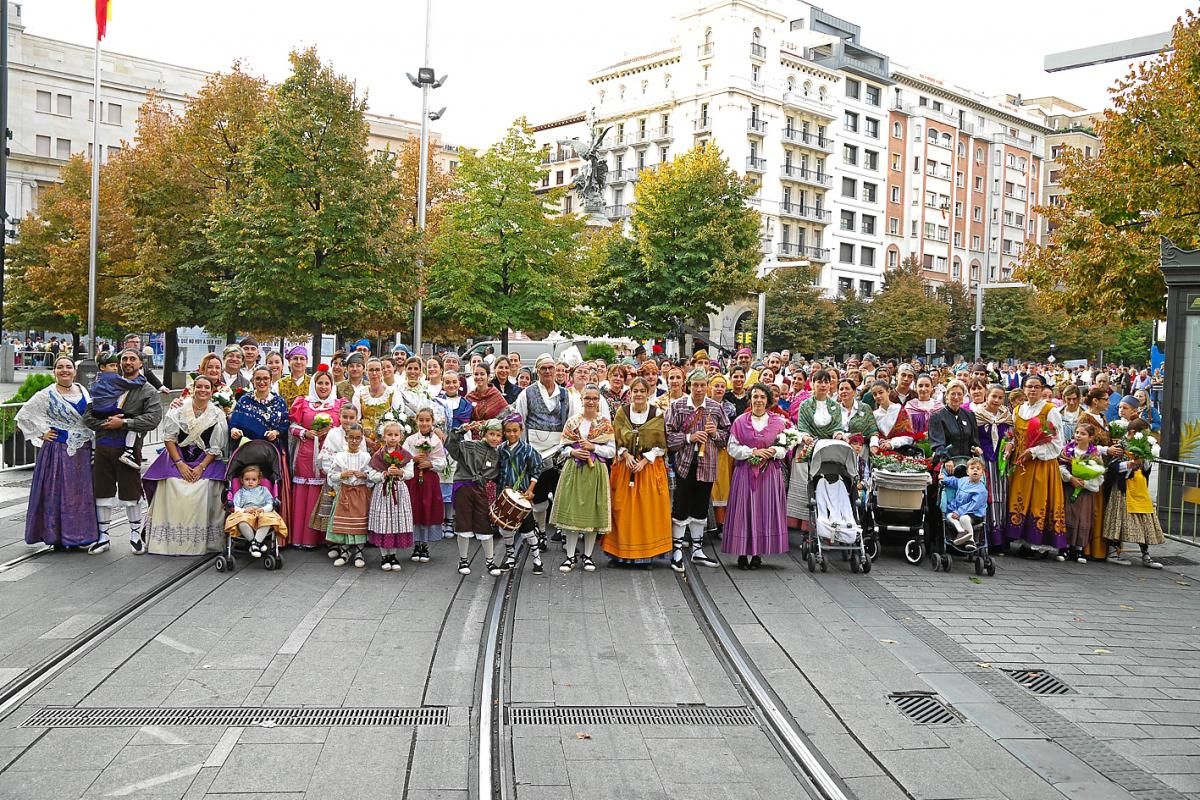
590	181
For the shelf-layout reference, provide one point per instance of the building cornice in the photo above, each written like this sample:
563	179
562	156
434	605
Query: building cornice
87	53
560	123
965	100
794	61
105	82
756	7
632	66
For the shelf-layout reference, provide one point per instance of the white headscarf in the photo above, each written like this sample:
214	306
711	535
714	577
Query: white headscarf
317	403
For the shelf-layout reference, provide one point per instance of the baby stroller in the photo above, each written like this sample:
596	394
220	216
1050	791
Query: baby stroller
261	454
898	501
834	522
943	548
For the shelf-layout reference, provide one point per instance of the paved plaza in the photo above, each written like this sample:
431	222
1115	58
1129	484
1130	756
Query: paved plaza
835	647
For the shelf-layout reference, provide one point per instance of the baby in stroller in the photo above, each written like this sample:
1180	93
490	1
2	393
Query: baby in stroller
254	513
966	505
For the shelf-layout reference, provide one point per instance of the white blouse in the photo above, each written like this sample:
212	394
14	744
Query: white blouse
741	452
607	450
639	418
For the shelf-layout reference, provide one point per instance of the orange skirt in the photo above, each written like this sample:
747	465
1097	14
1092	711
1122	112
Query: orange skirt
641	513
1036	505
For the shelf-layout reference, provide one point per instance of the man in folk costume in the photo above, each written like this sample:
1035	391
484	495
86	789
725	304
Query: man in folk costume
250	351
140	411
697	430
546	407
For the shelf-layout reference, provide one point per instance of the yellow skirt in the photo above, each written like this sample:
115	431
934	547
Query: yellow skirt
255	518
720	490
641	512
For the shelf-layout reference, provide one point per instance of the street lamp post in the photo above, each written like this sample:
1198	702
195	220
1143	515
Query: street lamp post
425	80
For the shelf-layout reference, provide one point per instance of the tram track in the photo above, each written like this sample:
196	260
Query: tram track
25	557
16	691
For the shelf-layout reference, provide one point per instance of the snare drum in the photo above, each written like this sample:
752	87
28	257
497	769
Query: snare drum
510	510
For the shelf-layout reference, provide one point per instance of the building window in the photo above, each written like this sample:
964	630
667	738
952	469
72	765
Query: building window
978	155
979	183
853	88
872	95
895	194
896	162
847	222
960	179
850	154
868	223
872	127
893	259
871	160
845	285
642	128
870	192
866	256
897	130
558	177
866	288
976	243
894	226
663	155
62	149
641	159
756	73
958	210
977	214
930	230
846	253
64	105
43	146
849	187
850	122
916	165
958	239
44	100
545	179
567	204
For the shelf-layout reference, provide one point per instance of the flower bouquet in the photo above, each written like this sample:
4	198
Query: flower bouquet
900	464
408	425
395	458
321	423
1117	429
1085	468
921	442
1003	456
425	448
1141	446
224	398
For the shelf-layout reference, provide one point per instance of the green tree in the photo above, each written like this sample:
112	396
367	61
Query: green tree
696	245
799	317
1132	345
905	313
1144	184
851	336
316	242
501	260
960	310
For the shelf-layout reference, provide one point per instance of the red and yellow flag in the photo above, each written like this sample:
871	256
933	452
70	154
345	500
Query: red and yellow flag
103	17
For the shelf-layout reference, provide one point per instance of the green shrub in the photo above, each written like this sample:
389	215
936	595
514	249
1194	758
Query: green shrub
601	350
31	386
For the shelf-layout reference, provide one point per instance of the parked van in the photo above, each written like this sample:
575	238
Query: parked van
569	350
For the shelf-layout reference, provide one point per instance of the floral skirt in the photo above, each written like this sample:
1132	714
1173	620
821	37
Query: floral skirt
1122	526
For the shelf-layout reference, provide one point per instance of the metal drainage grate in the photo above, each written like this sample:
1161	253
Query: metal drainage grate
925	708
236	717
631	715
1176	561
1039	681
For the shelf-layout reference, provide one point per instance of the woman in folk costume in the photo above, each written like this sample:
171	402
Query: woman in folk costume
295	383
413	393
488	401
61	510
582	503
819	417
858	421
718	387
261	414
697	430
924	405
757	514
895	431
313	417
373	401
1036	505
995	421
641	504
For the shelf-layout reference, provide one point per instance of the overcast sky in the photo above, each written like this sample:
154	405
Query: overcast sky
533	57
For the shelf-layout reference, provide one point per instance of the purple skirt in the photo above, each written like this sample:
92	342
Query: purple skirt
756	516
62	509
162	468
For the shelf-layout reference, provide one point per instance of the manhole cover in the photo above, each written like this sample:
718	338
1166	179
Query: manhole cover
631	715
1038	681
925	708
236	717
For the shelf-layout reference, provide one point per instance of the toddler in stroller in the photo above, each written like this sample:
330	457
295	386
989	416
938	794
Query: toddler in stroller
966	504
253	506
835	516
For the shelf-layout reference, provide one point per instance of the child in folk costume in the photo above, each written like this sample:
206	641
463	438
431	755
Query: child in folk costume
335	442
697	430
520	468
424	485
582	502
1084	498
254	512
390	522
351	507
459	412
478	466
1130	515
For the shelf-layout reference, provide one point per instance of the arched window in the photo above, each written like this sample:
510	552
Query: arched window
708	36
807	88
945	140
791	83
823	94
933	134
897	130
756	37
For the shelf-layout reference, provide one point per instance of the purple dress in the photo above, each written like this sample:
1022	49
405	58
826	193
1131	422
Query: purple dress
61	509
756	517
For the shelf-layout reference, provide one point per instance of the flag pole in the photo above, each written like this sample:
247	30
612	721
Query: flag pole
94	235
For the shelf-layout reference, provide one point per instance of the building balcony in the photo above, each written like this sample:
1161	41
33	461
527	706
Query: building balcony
757	51
705	50
756	126
797	136
809	213
617	176
619	211
662	134
852	58
754	164
1015	141
704	125
808	176
812	105
754	202
818	255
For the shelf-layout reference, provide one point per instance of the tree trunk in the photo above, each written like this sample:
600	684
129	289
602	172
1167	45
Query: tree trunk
77	345
504	341
230	337
316	345
170	354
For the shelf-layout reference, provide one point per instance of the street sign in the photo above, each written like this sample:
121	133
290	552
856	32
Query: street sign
930	346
